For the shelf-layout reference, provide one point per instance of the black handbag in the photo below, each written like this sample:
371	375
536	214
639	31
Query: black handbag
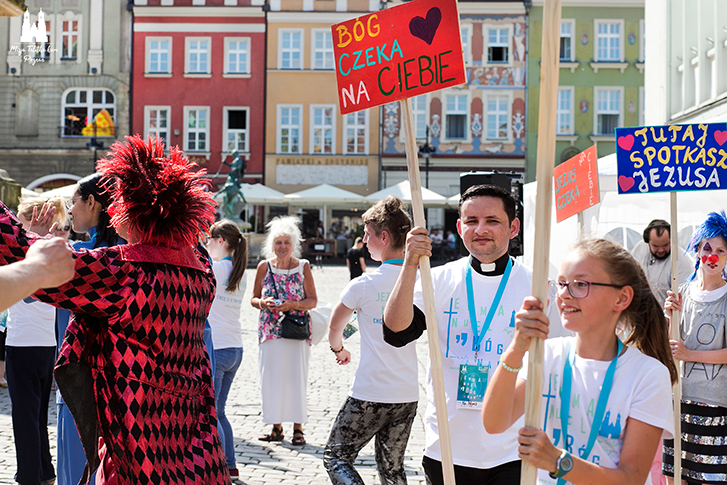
292	326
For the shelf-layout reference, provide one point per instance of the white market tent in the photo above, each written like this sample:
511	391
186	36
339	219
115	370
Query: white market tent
403	191
621	217
325	196
65	192
258	194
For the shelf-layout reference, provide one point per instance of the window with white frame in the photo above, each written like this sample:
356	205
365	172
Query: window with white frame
80	107
289	128
235	123
290	49
196	128
42	50
156	122
567	43
564	112
69	39
419	112
609	41
498	41
497	117
158	55
608	110
356	131
455	116
323	129
466	34
322	49
237	55
197	56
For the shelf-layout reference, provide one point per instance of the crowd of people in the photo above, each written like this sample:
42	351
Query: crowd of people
140	327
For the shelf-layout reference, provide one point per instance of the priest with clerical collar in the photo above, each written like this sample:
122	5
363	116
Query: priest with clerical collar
476	298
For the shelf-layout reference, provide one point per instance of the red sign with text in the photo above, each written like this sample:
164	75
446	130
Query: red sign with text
397	53
576	184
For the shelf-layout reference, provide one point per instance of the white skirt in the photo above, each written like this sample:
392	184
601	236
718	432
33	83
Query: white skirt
283	367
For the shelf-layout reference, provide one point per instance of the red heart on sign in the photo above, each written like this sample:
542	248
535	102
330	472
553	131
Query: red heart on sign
625	182
720	137
626	142
426	28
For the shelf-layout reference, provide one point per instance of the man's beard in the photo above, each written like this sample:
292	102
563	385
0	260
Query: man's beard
660	258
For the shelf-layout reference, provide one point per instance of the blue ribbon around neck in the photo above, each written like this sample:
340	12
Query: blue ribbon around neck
394	261
600	406
493	307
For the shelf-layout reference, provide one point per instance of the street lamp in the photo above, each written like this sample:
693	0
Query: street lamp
426	151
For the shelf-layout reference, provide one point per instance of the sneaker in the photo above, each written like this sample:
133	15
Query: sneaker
233	473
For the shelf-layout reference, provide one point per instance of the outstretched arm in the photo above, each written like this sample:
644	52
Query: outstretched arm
399	310
504	400
48	263
637	453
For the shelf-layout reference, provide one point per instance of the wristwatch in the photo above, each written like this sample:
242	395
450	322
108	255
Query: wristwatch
564	465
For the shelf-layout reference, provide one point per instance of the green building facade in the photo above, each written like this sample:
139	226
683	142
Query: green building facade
601	78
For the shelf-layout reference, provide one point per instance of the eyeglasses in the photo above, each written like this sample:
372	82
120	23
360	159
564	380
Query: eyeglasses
576	288
63	228
71	202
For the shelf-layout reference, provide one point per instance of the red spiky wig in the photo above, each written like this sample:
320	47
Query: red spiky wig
161	199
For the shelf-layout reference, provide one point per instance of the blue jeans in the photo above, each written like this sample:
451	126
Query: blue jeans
227	362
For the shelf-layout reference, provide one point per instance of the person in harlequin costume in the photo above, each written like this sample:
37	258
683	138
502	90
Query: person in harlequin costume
133	368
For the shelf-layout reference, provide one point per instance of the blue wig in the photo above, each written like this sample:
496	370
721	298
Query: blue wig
714	226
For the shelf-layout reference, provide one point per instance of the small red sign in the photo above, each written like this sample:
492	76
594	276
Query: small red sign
576	184
397	53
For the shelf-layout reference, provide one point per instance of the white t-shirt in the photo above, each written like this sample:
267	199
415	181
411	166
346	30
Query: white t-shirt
641	390
472	446
385	374
31	324
224	314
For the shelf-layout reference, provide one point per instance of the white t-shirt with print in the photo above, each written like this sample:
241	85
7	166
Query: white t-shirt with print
224	314
385	374
641	390
472	446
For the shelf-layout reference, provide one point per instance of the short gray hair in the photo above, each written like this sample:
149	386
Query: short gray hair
282	226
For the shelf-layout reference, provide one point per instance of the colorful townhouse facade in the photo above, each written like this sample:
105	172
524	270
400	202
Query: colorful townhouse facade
199	80
308	142
65	88
601	77
477	126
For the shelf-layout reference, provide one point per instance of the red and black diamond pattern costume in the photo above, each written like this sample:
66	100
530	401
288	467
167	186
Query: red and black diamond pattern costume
139	313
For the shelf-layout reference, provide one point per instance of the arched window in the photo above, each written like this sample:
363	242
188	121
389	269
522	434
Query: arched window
81	108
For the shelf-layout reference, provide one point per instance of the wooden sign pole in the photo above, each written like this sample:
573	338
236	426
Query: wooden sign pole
435	357
675	318
544	200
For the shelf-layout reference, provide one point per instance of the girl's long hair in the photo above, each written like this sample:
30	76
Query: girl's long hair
98	186
644	317
389	215
229	231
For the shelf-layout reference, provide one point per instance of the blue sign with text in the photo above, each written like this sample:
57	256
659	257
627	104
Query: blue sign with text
671	158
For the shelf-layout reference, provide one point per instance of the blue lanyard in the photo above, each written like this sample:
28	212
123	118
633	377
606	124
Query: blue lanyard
226	258
600	406
393	261
493	307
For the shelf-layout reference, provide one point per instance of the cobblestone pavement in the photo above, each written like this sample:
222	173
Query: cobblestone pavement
279	463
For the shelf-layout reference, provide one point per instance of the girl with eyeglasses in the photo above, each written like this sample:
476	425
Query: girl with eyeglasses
703	350
605	403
